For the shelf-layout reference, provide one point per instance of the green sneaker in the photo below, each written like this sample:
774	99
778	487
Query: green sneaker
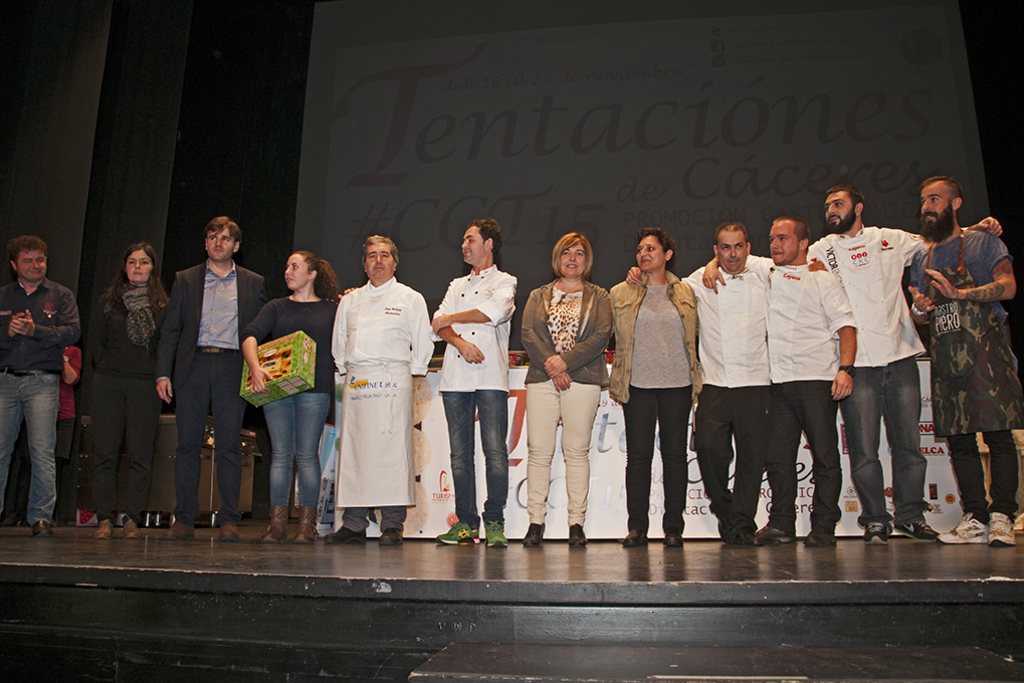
460	534
496	535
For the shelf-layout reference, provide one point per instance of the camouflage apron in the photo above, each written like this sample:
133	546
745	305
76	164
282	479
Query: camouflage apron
974	386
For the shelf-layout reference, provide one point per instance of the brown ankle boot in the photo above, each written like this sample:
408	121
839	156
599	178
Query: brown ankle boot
277	532
307	524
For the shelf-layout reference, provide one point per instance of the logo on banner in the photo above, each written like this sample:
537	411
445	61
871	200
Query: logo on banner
445	492
950	498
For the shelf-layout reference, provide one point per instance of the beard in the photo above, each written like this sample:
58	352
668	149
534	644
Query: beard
938	229
844	224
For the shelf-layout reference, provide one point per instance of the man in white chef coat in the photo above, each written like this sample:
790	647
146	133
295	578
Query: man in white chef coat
474	318
809	316
381	339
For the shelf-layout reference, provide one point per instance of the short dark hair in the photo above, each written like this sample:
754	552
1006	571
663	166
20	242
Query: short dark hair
949	181
732	227
489	230
20	244
219	223
666	242
800	229
856	196
25	243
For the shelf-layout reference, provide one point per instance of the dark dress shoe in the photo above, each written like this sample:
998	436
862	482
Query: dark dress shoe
534	536
228	533
746	536
577	539
179	532
346	536
673	538
390	537
42	529
820	538
769	535
634	539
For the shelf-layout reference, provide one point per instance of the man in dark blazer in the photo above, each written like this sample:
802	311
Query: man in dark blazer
199	349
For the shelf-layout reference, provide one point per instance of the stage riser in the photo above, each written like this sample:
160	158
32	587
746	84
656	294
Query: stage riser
32	655
234	623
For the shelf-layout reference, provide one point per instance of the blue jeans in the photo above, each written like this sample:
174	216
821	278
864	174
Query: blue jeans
34	399
892	393
460	411
295	424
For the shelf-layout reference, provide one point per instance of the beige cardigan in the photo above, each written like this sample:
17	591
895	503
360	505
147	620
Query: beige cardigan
626	300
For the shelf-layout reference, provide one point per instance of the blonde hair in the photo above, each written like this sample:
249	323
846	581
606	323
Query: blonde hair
570	240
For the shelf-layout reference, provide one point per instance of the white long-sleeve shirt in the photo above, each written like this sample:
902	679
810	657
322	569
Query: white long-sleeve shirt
870	267
806	311
493	293
734	325
382	325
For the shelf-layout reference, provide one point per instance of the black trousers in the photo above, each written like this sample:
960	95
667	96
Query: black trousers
670	410
213	382
725	414
807	407
125	408
970	476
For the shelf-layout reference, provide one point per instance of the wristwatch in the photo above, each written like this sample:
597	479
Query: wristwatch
848	369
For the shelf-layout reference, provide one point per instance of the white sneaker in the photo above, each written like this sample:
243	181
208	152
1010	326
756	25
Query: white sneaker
967	530
1000	530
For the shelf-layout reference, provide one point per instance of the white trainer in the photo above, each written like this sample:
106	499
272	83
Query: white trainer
1000	530
967	530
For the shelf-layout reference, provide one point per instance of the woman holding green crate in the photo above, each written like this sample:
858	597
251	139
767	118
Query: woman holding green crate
296	422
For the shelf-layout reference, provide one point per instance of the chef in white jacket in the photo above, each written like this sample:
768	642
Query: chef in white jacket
381	339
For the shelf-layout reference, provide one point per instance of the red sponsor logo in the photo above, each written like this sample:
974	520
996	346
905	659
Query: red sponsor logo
790	277
858	255
932	450
885	244
926	428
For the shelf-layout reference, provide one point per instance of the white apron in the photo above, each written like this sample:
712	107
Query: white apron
375	463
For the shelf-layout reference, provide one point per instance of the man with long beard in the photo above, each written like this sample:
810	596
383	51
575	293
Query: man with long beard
957	283
869	263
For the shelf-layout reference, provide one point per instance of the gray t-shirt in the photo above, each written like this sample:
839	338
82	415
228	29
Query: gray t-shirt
660	360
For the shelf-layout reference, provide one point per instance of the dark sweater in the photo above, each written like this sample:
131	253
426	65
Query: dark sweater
113	352
283	316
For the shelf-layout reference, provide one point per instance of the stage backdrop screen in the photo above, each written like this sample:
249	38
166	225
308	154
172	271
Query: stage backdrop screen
605	128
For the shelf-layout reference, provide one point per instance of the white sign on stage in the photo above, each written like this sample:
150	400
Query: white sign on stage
606	514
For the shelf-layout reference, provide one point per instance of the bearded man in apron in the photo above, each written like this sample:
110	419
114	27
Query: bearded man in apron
957	282
381	339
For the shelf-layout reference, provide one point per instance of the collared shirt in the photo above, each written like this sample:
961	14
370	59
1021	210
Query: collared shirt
806	310
493	293
734	326
382	325
218	326
870	266
55	316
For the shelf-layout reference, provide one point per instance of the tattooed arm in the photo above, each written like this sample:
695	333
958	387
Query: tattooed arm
1002	287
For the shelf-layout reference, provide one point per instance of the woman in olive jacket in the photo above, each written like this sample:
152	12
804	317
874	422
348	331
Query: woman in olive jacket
655	376
566	326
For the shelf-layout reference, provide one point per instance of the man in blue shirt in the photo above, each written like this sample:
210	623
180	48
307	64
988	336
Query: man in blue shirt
38	318
957	284
199	359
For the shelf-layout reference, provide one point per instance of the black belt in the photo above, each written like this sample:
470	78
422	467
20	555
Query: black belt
29	373
214	349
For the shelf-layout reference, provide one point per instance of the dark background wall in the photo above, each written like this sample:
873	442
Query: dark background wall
143	119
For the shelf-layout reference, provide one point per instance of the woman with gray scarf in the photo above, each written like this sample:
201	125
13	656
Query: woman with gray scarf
123	341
